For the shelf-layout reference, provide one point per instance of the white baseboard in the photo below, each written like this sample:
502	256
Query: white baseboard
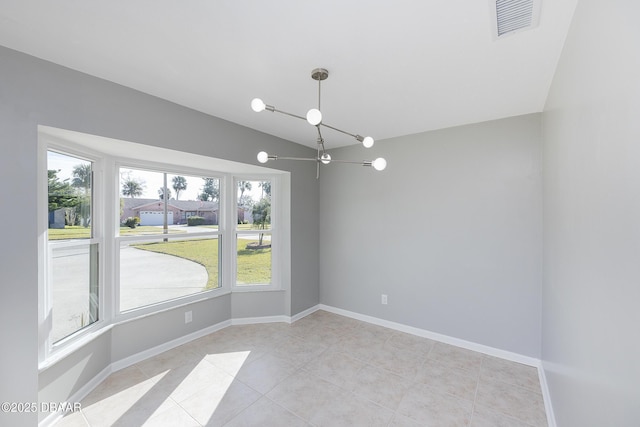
265	319
548	407
54	417
154	351
305	313
491	351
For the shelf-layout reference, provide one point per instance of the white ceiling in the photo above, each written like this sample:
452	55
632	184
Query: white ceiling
396	68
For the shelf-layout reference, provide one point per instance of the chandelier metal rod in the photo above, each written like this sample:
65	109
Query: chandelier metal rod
311	159
356	136
353	162
339	130
319	92
318	159
320	140
289	114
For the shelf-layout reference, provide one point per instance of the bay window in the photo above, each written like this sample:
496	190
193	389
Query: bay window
124	237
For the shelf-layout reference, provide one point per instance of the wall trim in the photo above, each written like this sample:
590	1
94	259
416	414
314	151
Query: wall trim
54	417
548	406
480	348
145	354
265	319
491	351
305	313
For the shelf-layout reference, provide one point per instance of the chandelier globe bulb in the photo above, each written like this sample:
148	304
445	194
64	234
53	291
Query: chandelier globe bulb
314	117
257	105
379	164
367	142
263	157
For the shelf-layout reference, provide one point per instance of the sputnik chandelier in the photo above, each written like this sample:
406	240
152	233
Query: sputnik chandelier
314	118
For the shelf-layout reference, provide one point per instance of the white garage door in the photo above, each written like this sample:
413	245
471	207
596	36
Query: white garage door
155	218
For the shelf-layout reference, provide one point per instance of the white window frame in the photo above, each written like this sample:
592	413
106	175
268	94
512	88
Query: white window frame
274	232
106	220
48	350
220	233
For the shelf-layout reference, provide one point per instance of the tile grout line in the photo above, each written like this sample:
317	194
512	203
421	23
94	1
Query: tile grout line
475	394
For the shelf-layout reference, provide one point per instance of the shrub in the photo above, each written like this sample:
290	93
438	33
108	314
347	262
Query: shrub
195	220
132	221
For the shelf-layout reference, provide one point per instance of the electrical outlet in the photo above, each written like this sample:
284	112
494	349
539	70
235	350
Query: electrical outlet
188	316
384	299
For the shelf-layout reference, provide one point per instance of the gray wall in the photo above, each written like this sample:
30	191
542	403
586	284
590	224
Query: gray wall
591	122
130	338
450	231
80	367
35	92
256	304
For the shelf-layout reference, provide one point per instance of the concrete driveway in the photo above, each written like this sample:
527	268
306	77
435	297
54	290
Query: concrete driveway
145	278
149	277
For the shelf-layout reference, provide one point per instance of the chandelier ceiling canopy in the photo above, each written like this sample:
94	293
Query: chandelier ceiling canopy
314	118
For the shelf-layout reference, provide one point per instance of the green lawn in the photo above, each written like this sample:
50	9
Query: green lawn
69	232
202	251
146	229
254	266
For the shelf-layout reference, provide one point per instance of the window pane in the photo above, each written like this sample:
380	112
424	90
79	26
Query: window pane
195	200
254	259
254	205
74	287
153	272
69	191
141	203
191	201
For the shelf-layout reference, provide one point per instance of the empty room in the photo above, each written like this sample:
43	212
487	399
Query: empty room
339	213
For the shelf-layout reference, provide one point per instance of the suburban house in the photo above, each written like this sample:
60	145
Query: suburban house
150	211
502	237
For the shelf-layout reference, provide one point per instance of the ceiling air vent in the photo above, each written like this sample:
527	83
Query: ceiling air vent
515	15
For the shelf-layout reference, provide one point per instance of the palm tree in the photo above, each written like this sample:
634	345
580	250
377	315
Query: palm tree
82	180
179	184
261	214
210	190
243	186
161	193
132	187
266	189
82	177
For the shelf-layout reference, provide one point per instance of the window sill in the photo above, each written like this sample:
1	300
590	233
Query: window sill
73	346
257	288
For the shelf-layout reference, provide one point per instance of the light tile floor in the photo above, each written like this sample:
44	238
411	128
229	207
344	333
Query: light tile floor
323	370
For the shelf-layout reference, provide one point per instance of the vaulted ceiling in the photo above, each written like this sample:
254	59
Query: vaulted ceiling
395	68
